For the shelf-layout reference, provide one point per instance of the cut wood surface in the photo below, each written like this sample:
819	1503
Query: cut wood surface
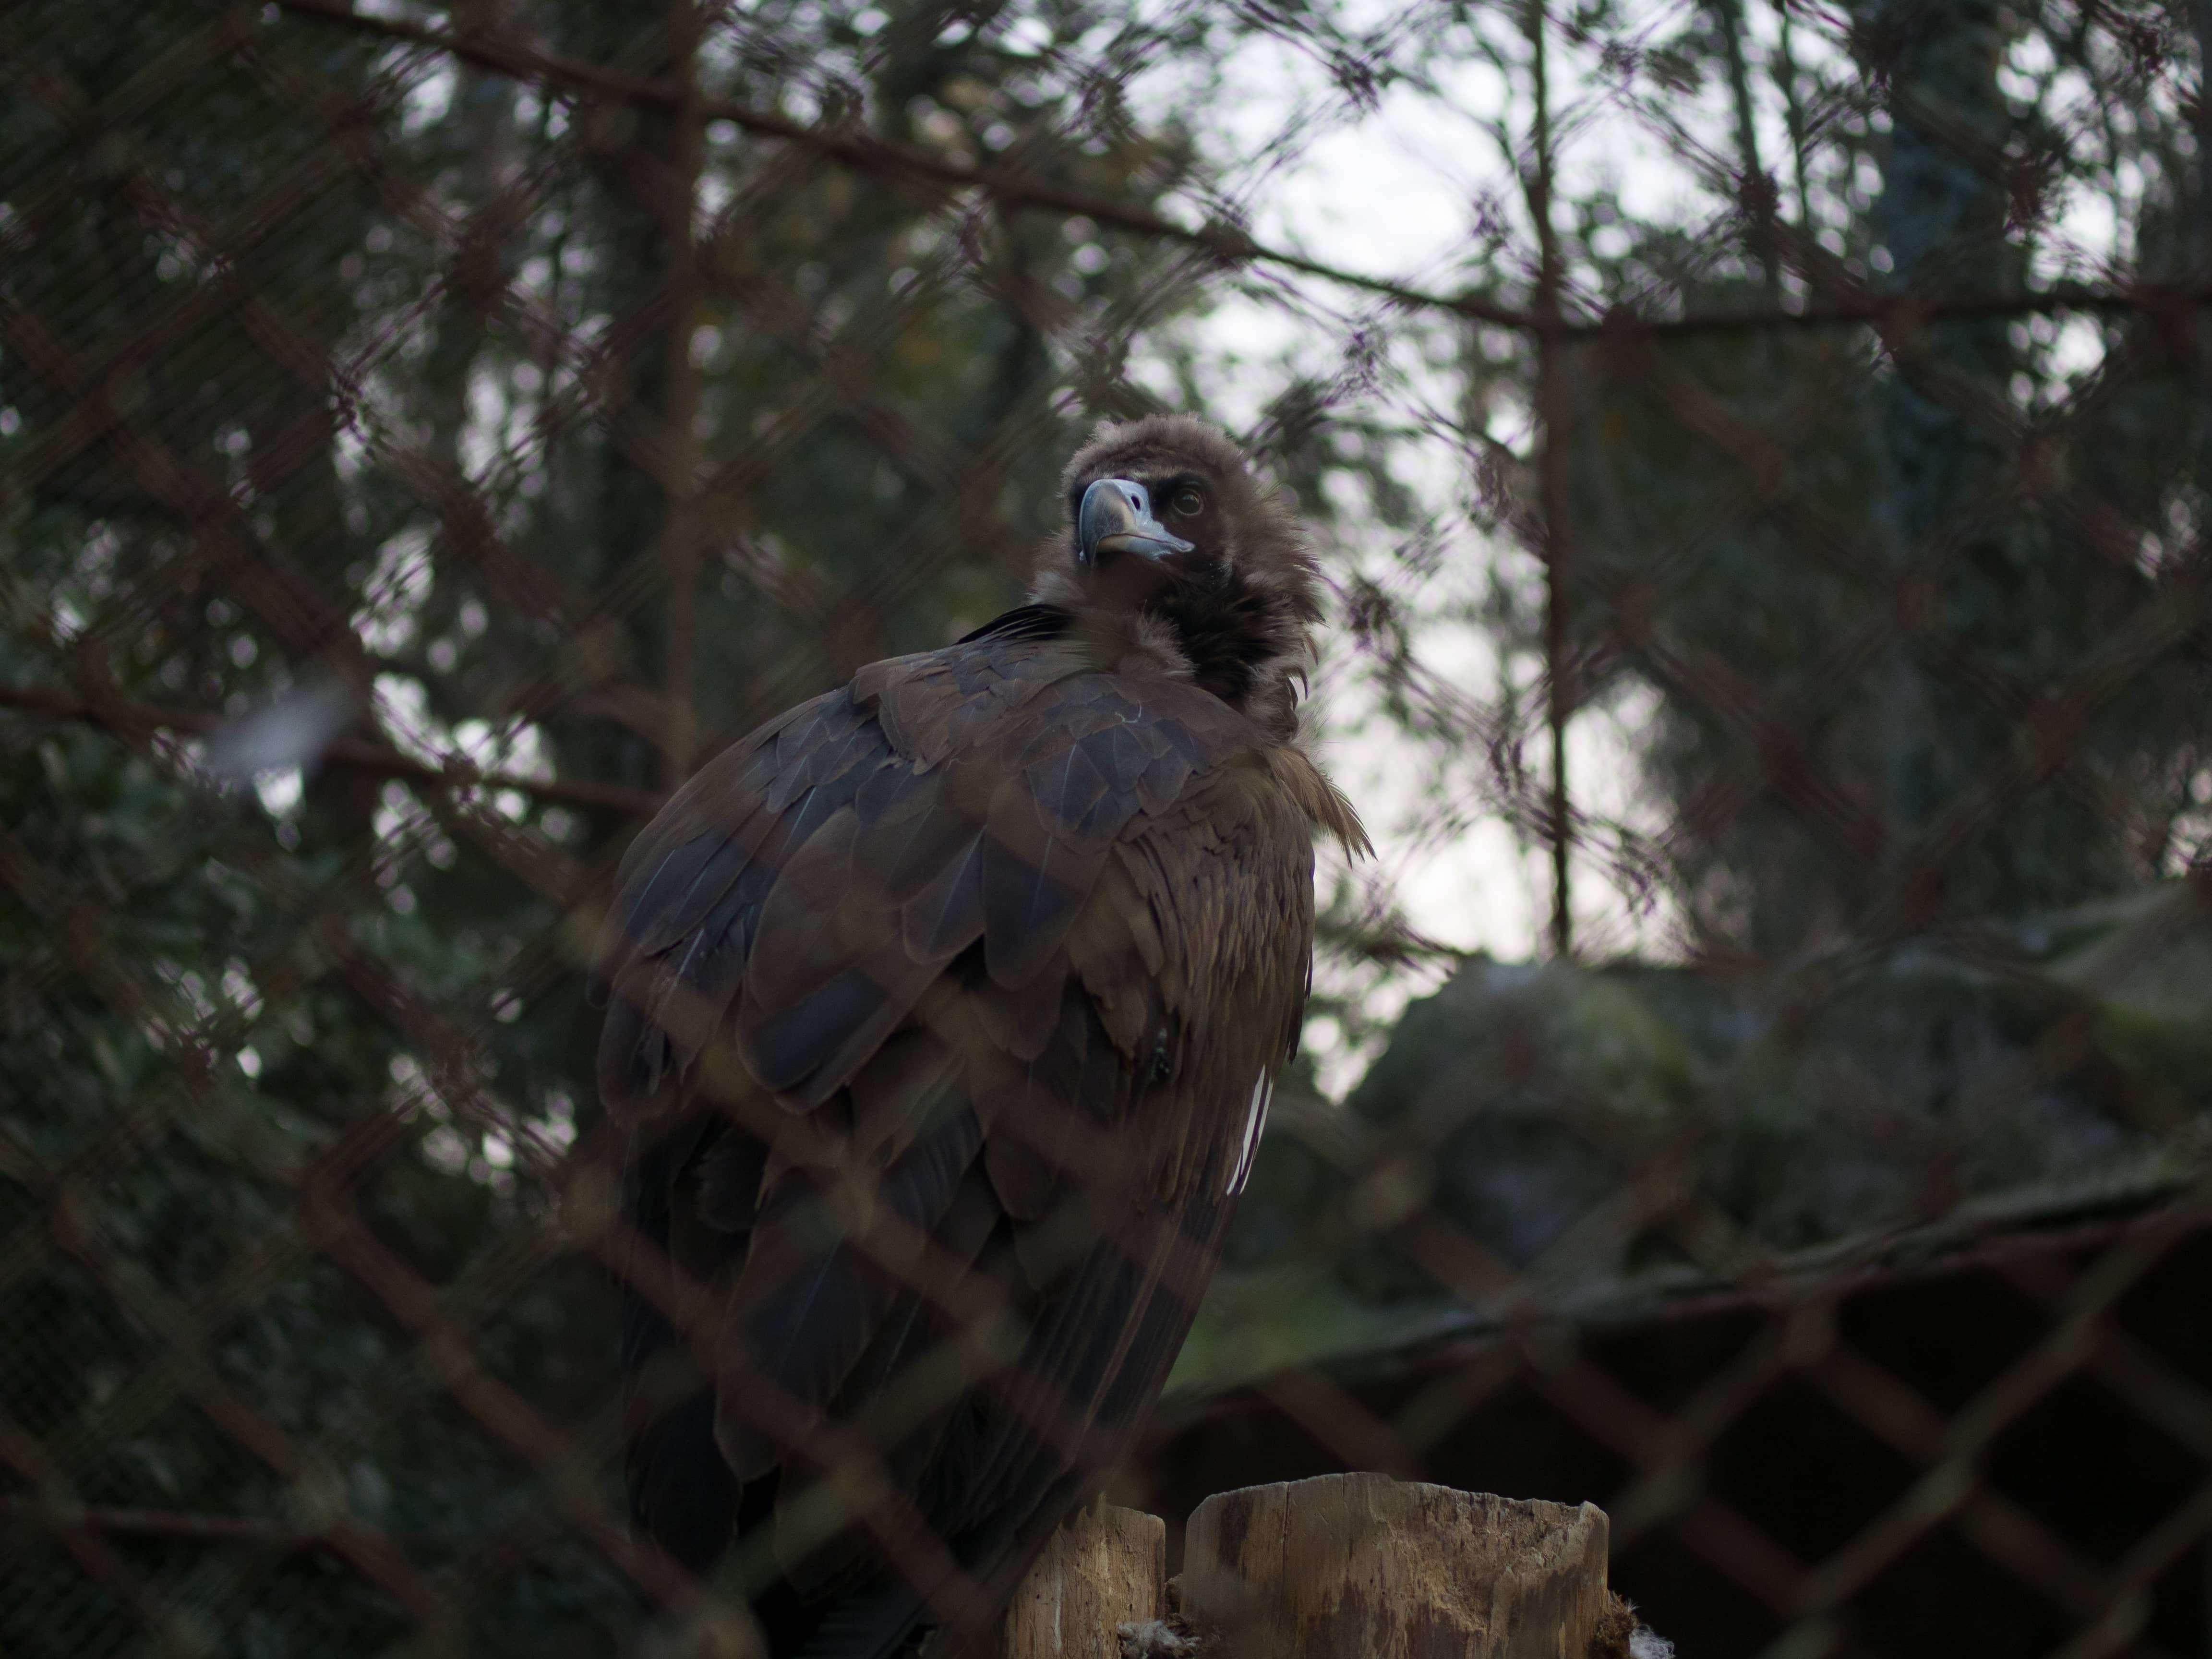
1361	1566
1103	1568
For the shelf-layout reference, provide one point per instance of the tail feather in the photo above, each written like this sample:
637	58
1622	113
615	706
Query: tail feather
881	1623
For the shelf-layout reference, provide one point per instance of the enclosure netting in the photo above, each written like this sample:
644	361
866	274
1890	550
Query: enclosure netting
1759	455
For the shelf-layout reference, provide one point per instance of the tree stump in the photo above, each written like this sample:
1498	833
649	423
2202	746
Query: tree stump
1104	1568
1361	1566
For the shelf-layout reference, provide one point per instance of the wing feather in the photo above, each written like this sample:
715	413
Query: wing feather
1034	887
813	1291
944	917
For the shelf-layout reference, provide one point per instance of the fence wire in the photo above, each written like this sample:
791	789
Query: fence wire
1760	1086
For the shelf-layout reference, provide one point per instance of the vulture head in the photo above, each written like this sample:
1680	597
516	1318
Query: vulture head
1174	552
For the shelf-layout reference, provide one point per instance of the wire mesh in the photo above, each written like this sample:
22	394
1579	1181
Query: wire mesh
1769	582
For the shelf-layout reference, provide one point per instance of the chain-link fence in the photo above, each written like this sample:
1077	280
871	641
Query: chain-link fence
1759	454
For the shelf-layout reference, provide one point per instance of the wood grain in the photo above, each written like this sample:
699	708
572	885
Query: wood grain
1361	1566
1103	1568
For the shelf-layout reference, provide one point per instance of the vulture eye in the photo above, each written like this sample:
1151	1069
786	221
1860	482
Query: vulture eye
1189	502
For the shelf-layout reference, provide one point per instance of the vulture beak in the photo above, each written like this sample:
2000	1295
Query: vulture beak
1116	517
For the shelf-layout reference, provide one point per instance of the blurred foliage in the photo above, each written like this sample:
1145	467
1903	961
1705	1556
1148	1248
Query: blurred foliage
1612	1136
214	990
1854	580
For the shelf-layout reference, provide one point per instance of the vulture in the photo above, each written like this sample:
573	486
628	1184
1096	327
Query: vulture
943	1013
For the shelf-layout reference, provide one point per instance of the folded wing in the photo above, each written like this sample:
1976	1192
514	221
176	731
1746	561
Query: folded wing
944	1007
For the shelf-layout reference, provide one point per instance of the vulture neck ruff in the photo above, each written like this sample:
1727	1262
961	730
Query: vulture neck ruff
1212	627
1230	613
1227	631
